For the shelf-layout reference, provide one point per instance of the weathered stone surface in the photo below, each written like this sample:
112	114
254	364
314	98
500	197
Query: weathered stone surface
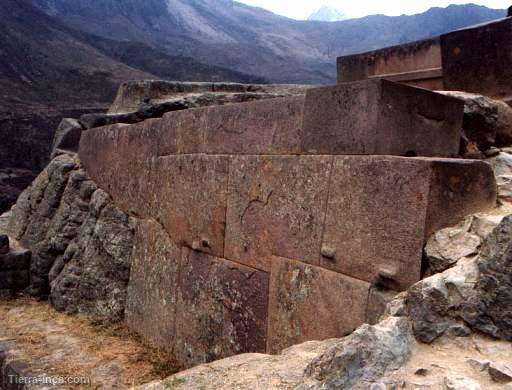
357	361
4	221
434	304
476	59
447	246
489	309
248	371
192	199
480	118
416	63
18	259
136	96
12	184
67	137
266	127
153	287
487	121
80	242
476	292
362	358
222	309
379	298
500	372
502	164
458	188
483	224
379	227
381	117
4	244
134	180
37	205
310	303
504	188
276	207
91	276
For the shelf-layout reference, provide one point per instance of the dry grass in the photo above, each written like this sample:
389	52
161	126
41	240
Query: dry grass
93	346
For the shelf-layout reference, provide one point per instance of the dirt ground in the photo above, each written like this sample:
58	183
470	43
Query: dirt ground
463	359
56	344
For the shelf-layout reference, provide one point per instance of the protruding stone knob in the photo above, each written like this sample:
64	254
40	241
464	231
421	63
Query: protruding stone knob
328	252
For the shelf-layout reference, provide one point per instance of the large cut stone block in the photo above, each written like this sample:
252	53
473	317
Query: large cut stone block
186	193
276	206
222	309
311	303
381	117
153	286
382	209
189	198
416	63
478	59
271	126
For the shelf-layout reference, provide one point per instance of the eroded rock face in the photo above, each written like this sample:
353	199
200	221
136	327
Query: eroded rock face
140	100
92	274
80	242
136	95
487	122
489	309
67	137
12	183
363	357
447	246
476	292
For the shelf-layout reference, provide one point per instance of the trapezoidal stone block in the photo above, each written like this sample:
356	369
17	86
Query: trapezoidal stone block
191	194
311	303
382	209
381	117
118	158
153	287
272	126
276	206
222	309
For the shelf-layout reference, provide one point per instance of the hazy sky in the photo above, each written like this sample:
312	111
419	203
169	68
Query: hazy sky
301	9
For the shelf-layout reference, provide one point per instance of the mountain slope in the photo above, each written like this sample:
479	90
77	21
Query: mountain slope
48	69
45	70
252	40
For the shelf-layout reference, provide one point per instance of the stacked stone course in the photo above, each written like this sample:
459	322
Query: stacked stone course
266	224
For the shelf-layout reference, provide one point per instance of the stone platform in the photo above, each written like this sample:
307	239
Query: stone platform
256	234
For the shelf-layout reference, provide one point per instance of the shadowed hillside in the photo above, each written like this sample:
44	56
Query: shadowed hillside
252	40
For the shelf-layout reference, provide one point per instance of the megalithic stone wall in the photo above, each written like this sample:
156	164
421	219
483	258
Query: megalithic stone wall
256	233
474	59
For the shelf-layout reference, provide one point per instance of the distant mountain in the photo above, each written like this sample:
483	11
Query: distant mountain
48	70
327	14
252	40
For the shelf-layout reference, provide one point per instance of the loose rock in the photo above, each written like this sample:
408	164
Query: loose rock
447	246
363	357
500	372
457	382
